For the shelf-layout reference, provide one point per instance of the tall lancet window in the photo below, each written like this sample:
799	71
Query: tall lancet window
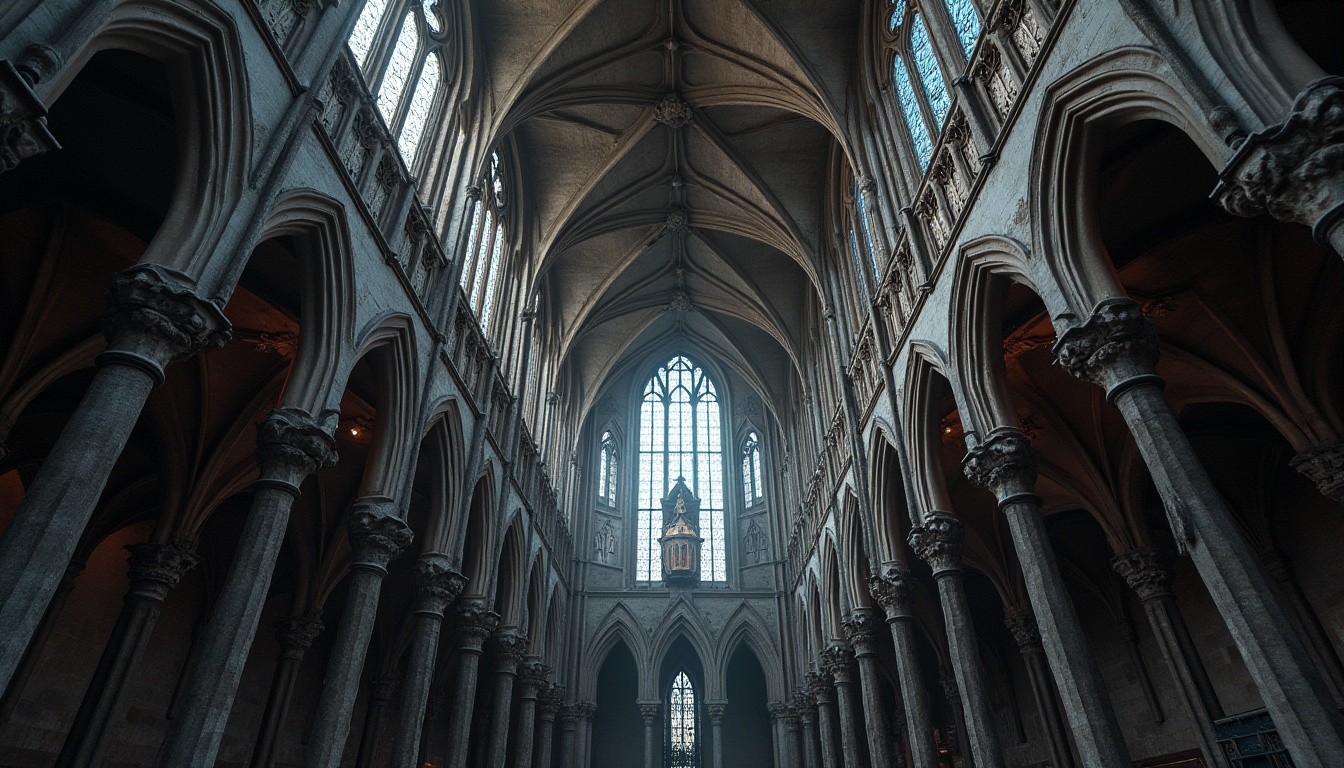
751	469
683	739
680	435
606	468
487	245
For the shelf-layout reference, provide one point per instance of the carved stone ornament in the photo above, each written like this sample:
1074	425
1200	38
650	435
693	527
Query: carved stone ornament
649	711
716	712
156	568
891	590
861	632
296	635
839	662
586	709
1005	463
551	700
510	647
805	706
1294	171
1145	572
680	301
938	542
778	710
377	534
673	111
1324	466
1116	348
820	685
152	320
532	679
437	584
291	446
23	120
1021	625
475	622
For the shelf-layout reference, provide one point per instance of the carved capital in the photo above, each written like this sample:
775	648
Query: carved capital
510	648
1116	348
838	660
892	589
152	320
532	679
1324	466
1294	171
861	632
296	635
23	120
475	623
938	542
551	700
805	707
1145	571
1004	462
377	534
716	712
820	685
291	446
649	710
778	710
1022	625
156	568
437	584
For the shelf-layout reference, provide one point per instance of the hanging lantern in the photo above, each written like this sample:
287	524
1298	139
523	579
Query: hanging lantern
681	548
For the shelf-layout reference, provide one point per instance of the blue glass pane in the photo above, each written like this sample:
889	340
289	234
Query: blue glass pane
926	62
914	119
361	38
417	116
398	69
431	20
967	22
897	14
861	200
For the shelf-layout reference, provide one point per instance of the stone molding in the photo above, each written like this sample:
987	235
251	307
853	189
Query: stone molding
475	623
377	534
153	319
1294	171
291	446
938	542
296	635
1021	624
1005	462
861	632
673	111
892	591
23	120
1144	571
156	568
839	663
1324	466
1116	348
437	584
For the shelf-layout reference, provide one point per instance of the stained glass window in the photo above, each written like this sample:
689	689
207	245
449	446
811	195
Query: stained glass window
680	434
479	254
967	22
366	27
914	119
751	469
926	62
861	202
431	20
417	116
492	277
398	69
606	470
683	743
897	14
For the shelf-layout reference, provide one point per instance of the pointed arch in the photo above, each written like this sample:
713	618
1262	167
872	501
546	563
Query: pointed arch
392	336
925	373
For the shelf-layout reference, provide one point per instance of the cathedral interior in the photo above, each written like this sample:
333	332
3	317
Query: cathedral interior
672	383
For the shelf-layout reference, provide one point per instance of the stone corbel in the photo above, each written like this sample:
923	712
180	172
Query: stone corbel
23	120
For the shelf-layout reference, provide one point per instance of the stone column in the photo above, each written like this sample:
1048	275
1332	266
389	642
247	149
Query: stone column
23	117
11	696
1145	572
152	320
290	446
295	635
568	718
1117	349
154	570
1005	463
1304	618
1292	171
510	646
1324	466
437	586
584	733
716	711
549	706
792	738
778	711
861	631
807	715
821	685
377	535
475	622
947	681
1022	626
938	543
381	691
531	680
891	590
648	710
839	661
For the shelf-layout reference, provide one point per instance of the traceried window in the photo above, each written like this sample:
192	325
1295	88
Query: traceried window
366	28
683	736
914	119
487	245
607	470
918	81
865	226
926	61
751	469
680	436
967	22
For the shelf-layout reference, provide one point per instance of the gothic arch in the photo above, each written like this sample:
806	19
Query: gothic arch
682	620
744	627
399	388
926	365
619	625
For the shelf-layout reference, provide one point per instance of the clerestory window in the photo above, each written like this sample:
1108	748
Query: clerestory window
487	244
680	436
919	79
606	468
751	469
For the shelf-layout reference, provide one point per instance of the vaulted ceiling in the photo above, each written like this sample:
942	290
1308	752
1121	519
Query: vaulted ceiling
675	158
